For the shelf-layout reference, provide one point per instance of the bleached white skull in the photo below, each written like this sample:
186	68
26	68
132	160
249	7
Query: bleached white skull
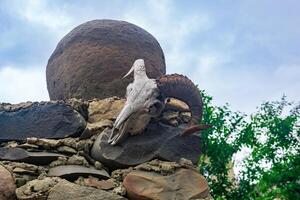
141	105
145	100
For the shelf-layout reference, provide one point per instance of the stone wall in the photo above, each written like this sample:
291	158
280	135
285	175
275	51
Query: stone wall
58	150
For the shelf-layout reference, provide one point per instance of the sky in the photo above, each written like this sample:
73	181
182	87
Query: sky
241	52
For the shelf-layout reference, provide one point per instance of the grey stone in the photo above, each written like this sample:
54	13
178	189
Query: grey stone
21	155
158	141
72	172
41	120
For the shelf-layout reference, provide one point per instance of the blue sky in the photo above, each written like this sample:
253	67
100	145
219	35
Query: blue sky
241	52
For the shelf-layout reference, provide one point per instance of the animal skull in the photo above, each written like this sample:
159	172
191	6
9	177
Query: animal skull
145	100
141	105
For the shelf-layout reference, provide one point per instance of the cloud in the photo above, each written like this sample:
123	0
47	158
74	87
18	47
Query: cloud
241	53
173	29
19	85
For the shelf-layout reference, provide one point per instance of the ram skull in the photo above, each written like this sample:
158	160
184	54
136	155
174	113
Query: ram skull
145	100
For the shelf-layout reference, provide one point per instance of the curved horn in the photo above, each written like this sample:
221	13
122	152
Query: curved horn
182	88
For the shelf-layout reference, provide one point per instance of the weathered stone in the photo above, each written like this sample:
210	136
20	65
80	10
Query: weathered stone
106	109
183	184
10	144
28	146
59	161
95	128
7	184
41	120
21	155
44	143
158	141
30	168
79	105
74	143
37	189
120	190
162	167
100	184
78	160
66	149
72	172
90	61
65	190
120	174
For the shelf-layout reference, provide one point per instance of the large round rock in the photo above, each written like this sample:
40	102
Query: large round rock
91	60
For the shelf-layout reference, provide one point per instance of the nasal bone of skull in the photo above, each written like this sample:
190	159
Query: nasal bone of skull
138	63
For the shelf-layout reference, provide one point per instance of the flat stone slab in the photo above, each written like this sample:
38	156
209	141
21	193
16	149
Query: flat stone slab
21	155
183	184
72	172
41	120
158	141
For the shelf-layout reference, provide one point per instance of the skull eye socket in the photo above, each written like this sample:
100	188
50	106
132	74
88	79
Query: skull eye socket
156	108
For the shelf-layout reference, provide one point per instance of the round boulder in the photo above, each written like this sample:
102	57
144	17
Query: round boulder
91	60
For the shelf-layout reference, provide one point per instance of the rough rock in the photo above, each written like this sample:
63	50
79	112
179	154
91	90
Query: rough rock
106	109
95	128
66	190
21	155
24	172
96	183
27	168
91	60
51	144
37	189
41	120
183	184
7	184
79	105
72	172
158	141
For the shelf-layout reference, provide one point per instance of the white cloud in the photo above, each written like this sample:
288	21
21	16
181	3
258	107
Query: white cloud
19	85
39	12
162	20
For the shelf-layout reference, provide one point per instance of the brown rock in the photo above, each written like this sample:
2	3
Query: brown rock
108	108
65	190
90	61
7	184
100	184
95	128
183	184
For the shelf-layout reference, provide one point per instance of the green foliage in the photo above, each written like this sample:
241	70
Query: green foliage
272	170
